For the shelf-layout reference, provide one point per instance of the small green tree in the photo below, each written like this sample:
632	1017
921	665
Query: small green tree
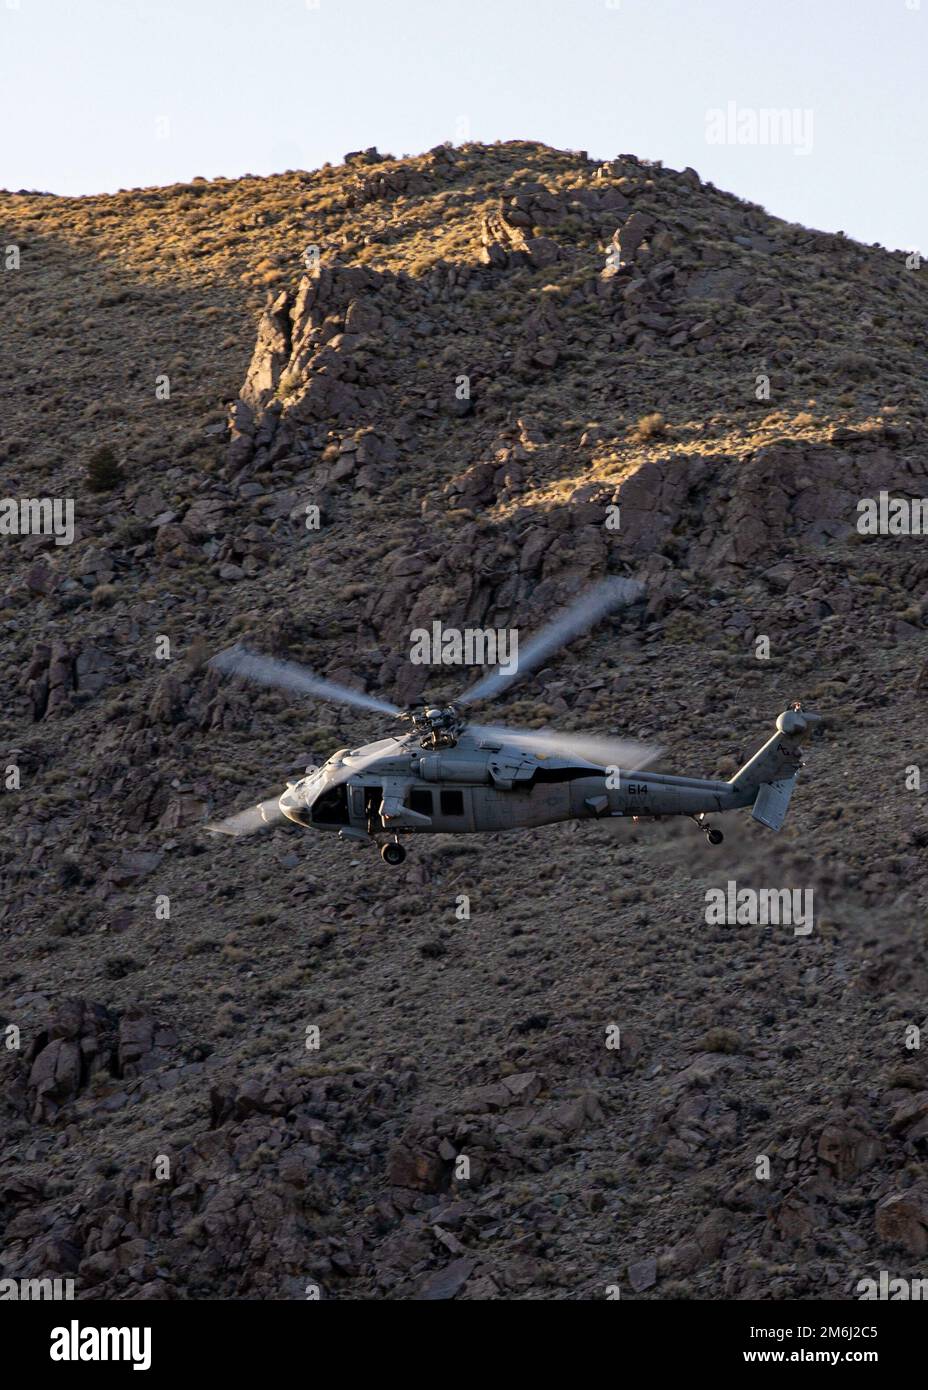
103	470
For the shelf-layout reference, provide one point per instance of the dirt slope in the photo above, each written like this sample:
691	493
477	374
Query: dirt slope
464	360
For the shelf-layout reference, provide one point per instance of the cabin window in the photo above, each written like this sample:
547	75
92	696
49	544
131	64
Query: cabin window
420	800
452	803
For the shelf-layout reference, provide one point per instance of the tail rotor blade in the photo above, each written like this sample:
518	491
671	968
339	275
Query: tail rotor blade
288	675
589	608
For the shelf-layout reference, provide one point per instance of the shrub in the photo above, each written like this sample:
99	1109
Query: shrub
103	471
652	426
289	381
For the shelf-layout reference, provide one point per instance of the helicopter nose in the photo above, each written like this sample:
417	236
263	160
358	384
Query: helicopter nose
293	808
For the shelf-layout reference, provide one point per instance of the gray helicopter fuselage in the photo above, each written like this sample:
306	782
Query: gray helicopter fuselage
479	784
444	773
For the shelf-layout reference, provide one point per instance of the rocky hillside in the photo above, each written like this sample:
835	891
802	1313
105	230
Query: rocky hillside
466	362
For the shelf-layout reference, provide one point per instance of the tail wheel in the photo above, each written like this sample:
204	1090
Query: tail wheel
715	837
392	853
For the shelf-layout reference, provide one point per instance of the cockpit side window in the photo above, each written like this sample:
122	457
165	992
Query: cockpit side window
331	808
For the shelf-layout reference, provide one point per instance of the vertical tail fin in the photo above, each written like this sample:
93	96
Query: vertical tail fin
772	802
771	772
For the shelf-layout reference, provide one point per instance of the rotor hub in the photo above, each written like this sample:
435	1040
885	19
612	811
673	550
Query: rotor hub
437	725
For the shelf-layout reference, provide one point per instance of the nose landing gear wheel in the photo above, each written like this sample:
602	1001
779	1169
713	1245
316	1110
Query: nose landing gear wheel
715	837
392	853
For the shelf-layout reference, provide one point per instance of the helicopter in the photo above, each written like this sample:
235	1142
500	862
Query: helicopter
442	773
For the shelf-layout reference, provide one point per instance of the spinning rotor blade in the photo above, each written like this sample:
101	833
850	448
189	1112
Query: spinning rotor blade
589	608
356	763
604	752
261	817
287	675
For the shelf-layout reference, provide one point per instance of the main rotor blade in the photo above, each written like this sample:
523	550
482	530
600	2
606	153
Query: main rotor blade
356	763
261	817
589	608
623	753
287	675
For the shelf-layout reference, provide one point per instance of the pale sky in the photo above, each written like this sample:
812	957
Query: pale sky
97	95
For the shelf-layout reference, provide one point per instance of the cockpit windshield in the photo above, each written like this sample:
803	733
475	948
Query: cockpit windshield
331	807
